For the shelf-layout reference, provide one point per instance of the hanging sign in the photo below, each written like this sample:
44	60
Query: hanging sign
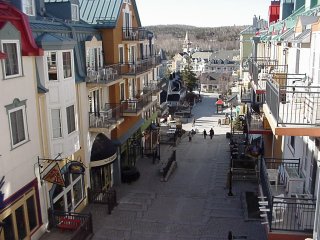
76	167
54	175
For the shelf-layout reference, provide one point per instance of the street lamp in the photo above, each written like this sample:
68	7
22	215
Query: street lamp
230	169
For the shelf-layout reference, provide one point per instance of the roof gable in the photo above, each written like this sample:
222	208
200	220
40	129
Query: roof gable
21	23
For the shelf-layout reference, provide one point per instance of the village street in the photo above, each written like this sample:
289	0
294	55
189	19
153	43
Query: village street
193	203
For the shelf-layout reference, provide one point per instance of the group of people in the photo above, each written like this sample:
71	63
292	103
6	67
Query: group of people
192	132
211	133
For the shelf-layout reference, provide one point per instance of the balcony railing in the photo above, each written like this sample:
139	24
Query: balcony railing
293	104
105	74
256	122
135	34
114	72
81	224
265	66
137	104
245	95
106	117
286	213
137	67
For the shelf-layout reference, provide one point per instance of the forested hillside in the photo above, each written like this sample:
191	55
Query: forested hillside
171	37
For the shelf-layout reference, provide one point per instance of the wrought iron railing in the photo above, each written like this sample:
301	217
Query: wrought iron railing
106	117
104	74
83	223
291	213
293	104
245	95
141	100
108	197
135	34
110	73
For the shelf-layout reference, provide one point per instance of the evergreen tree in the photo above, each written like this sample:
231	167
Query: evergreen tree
189	77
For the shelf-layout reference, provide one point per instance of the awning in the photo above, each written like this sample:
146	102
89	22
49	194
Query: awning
103	151
219	102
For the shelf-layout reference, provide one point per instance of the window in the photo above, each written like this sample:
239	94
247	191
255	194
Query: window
71	119
68	198
22	218
292	142
52	66
94	59
121	55
67	70
56	123
32	213
74	12
17	122
122	96
21	224
29	7
12	64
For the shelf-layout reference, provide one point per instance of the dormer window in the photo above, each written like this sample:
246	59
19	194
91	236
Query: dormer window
29	7
74	12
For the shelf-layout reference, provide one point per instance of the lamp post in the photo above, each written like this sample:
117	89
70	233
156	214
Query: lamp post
230	169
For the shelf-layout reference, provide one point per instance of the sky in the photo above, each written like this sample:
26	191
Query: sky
201	13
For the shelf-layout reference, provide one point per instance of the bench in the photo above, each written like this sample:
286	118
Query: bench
67	223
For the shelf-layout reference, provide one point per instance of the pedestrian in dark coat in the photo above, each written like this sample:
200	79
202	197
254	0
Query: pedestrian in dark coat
190	136
204	134
211	133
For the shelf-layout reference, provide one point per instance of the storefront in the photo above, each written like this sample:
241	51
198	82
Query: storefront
103	155
20	213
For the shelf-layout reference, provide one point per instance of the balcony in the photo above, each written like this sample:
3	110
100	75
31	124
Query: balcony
135	34
104	75
292	109
262	67
245	95
135	106
108	118
283	205
257	124
139	67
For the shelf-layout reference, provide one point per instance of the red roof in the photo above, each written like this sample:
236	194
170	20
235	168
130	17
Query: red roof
219	102
10	14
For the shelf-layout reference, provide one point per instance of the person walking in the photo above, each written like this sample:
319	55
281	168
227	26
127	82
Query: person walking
219	122
211	133
193	122
190	136
204	134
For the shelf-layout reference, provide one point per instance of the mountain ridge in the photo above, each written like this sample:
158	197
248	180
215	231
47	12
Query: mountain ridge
170	37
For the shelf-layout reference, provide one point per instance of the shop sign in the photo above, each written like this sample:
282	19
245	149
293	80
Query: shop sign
54	175
76	167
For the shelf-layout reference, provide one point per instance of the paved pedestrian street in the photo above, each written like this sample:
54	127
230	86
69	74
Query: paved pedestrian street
193	203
